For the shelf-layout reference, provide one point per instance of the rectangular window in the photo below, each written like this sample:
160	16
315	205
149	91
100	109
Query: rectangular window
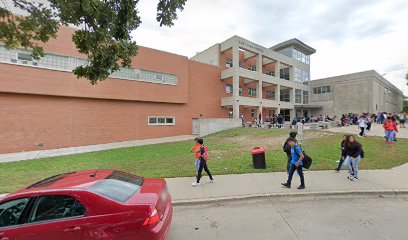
270	95
252	67
161	121
252	92
298	96
305	97
24	56
284	73
270	73
285	95
240	91
252	112
320	90
228	63
228	89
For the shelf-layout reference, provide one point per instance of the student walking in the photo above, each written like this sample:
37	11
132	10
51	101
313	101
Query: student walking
196	150
296	164
362	123
390	128
287	149
343	153
354	153
203	164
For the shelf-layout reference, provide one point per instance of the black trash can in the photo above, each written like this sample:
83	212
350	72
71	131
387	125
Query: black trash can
258	158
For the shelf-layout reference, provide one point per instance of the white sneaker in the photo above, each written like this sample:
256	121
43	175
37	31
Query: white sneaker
351	177
354	179
210	181
195	184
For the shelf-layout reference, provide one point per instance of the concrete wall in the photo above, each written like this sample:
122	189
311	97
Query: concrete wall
210	56
208	126
356	93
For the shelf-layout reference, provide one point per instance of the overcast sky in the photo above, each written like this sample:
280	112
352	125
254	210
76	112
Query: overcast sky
349	35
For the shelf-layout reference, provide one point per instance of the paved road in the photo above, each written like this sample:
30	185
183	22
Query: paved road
353	218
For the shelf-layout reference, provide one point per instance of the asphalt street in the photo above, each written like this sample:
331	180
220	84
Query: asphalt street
355	217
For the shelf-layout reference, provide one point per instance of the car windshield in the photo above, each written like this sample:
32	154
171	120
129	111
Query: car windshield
118	186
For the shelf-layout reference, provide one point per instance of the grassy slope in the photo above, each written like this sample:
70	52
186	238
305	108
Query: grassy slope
228	149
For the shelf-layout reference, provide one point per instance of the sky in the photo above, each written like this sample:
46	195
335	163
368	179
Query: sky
348	35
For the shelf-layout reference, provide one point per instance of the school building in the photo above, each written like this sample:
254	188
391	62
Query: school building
44	106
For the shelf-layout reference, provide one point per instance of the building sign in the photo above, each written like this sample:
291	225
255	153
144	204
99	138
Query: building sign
250	46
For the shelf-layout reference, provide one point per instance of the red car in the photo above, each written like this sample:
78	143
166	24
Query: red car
102	204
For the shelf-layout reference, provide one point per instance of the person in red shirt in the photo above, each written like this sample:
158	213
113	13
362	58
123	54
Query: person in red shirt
196	150
391	129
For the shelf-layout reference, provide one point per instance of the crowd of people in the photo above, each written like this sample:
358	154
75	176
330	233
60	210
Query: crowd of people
351	150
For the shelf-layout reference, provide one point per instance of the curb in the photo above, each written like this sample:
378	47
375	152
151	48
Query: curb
292	194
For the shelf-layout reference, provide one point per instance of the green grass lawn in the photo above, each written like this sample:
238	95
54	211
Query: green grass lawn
228	150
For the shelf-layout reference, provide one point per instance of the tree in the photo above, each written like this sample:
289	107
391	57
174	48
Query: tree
405	105
103	34
406	77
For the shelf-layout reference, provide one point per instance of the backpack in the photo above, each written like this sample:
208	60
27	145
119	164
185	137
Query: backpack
206	155
286	147
307	160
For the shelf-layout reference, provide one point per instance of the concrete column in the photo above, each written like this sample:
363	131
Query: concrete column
235	56
259	90
277	69
259	63
291	73
277	93
235	85
235	110
292	114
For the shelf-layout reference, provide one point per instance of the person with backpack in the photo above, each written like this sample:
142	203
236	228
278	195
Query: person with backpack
203	164
343	153
354	153
391	129
296	164
196	150
287	149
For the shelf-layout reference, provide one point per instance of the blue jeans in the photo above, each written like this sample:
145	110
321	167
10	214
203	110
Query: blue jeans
300	173
197	163
352	165
390	135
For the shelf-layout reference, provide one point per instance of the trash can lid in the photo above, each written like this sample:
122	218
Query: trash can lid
257	150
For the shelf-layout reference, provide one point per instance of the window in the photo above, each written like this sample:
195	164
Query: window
164	121
240	91
252	67
305	97
252	112
24	56
66	63
320	90
11	211
228	63
284	73
298	96
285	95
300	56
228	89
270	95
301	76
252	92
118	186
48	208
270	73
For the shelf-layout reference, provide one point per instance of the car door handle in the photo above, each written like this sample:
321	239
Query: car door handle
73	229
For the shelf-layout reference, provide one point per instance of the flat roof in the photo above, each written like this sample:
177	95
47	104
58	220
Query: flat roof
296	43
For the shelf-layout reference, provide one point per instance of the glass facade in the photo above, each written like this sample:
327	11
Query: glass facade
305	97
285	95
302	76
300	56
65	63
298	96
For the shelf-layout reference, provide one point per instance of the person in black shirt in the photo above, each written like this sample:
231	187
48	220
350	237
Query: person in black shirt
354	152
287	149
203	164
343	153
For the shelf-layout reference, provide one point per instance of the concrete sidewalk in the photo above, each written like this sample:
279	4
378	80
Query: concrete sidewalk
229	187
376	130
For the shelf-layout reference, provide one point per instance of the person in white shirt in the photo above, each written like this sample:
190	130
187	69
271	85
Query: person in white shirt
362	123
